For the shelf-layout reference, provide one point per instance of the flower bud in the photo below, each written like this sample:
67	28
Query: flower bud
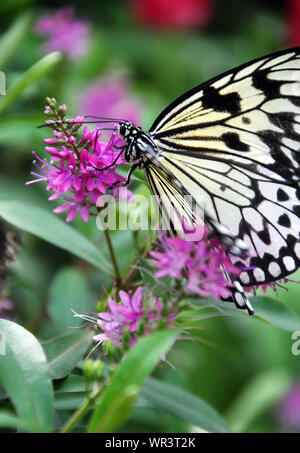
51	123
110	349
50	141
93	369
75	128
101	306
62	108
88	369
48	111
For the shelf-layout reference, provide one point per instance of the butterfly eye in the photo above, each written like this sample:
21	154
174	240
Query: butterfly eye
122	131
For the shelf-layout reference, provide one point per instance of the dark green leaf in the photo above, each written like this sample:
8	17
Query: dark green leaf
259	394
71	384
117	401
266	309
25	376
38	70
13	37
69	401
8	420
276	313
52	229
68	291
64	352
184	405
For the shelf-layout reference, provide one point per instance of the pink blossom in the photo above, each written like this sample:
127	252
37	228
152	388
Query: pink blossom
64	33
76	205
73	171
126	315
173	259
199	263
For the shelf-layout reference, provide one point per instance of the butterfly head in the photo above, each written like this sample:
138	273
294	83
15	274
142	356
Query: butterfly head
127	129
132	135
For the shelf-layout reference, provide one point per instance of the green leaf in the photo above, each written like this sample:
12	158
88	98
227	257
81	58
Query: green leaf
25	376
184	406
13	37
71	384
160	286
8	420
266	309
68	401
38	70
68	291
276	313
64	352
259	394
52	229
117	401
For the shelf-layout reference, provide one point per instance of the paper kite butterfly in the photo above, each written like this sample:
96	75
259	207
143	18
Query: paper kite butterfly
234	142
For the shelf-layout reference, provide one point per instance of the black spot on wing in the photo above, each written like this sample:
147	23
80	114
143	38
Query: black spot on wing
232	140
212	99
284	220
270	88
246	120
296	209
282	195
284	165
264	235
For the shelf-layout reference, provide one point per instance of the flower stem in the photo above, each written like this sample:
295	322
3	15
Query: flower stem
81	411
135	269
113	257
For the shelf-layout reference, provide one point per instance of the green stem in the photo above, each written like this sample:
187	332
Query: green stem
113	257
134	269
81	411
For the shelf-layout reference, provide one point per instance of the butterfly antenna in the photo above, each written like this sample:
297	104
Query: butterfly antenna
111	165
74	122
103	118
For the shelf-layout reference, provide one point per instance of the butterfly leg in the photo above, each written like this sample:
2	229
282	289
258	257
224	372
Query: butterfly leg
132	168
237	295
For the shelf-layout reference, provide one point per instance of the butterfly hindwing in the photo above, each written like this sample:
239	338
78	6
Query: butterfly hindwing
234	143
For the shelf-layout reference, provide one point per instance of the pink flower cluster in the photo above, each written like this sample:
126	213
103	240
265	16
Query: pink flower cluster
64	33
200	263
73	171
126	315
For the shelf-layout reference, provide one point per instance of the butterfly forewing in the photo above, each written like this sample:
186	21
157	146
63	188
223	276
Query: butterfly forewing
234	142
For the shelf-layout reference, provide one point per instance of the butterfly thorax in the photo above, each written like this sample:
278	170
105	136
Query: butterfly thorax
139	148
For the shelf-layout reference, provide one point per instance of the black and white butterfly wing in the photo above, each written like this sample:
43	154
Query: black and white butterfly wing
234	143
